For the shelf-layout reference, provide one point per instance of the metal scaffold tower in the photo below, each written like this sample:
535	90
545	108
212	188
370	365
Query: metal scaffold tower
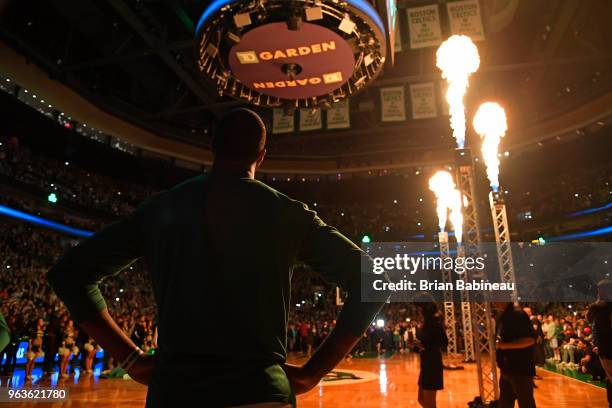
449	305
502	237
476	312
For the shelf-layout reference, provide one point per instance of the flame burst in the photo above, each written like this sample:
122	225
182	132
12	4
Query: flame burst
448	198
490	123
457	58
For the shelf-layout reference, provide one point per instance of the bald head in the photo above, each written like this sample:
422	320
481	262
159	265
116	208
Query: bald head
240	137
604	290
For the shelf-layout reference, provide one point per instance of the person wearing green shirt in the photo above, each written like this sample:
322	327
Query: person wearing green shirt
220	250
5	336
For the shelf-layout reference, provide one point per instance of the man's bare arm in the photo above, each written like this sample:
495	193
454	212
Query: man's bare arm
339	261
113	340
334	348
521	343
77	274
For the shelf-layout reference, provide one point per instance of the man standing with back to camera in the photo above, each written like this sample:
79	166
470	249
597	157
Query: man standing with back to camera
218	248
515	356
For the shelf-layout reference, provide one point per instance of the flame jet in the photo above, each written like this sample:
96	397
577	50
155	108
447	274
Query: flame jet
448	198
490	123
457	58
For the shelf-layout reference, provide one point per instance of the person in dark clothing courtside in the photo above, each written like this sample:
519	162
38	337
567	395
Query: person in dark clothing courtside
433	341
600	315
515	356
218	246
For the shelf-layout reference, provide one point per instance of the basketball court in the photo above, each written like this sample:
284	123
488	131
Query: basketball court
365	383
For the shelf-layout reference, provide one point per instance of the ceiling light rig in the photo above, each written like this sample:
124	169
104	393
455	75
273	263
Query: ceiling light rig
292	54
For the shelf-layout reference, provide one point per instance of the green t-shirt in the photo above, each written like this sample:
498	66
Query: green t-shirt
220	252
5	336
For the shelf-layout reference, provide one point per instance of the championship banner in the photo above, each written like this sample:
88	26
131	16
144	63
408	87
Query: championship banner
465	19
423	100
424	26
282	123
338	116
310	120
393	106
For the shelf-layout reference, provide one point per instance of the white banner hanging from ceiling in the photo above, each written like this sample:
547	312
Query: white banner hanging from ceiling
423	99
282	123
393	106
309	119
424	26
465	19
338	116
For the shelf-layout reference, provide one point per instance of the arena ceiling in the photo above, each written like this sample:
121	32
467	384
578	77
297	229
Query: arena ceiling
542	59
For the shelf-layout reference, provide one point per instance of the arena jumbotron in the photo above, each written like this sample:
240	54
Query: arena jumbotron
230	203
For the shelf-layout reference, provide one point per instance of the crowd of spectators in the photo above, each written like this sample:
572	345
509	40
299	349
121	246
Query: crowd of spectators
36	316
388	207
71	183
27	252
357	206
565	339
567	192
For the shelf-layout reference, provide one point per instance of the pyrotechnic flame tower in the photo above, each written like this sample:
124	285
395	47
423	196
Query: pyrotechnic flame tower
449	304
479	335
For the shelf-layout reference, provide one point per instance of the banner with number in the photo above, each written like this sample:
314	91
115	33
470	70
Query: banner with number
424	26
309	119
338	116
393	106
282	123
465	19
423	100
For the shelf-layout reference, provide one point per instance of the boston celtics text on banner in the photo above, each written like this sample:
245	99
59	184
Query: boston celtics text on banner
423	100
465	19
282	123
393	106
338	116
309	119
424	26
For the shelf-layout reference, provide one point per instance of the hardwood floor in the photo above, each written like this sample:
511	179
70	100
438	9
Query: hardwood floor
383	383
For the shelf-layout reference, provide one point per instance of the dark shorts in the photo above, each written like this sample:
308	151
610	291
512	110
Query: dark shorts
431	376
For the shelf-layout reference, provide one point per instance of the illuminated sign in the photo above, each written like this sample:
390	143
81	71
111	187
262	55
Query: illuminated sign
288	64
251	57
331	78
